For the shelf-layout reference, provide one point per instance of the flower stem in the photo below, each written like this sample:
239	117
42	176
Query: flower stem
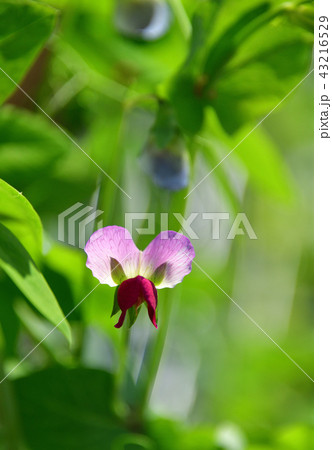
152	357
182	17
121	376
155	346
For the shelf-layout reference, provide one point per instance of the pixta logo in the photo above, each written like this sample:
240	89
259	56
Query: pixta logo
239	226
77	223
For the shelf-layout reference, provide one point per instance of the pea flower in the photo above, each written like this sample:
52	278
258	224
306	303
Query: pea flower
115	260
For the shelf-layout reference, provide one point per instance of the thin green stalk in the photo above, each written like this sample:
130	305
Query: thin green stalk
182	17
154	349
152	357
110	196
121	376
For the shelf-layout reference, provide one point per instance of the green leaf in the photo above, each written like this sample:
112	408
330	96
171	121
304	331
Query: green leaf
132	314
301	15
117	272
202	22
9	322
244	96
67	409
21	219
116	307
177	436
188	103
226	45
25	27
165	126
266	69
30	146
211	150
296	437
18	265
159	274
267	170
118	57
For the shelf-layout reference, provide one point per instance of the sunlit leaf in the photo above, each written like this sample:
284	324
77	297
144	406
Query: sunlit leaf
25	27
18	265
19	217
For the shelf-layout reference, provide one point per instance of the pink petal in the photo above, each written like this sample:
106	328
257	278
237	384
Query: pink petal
171	248
111	242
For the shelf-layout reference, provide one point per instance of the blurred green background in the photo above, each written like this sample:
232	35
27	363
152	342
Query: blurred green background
188	94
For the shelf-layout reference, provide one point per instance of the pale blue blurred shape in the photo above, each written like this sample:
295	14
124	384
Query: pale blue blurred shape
142	19
169	168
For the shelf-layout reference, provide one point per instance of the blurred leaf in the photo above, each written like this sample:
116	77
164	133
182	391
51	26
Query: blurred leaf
302	15
62	289
9	321
267	67
19	217
116	307
250	67
165	127
296	437
105	143
29	146
188	103
67	409
25	26
226	45
133	442
35	328
202	23
211	151
244	96
67	263
170	434
123	59
19	266
267	169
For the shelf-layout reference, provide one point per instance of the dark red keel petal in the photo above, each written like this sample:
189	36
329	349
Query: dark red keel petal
133	292
121	320
128	295
150	296
129	292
